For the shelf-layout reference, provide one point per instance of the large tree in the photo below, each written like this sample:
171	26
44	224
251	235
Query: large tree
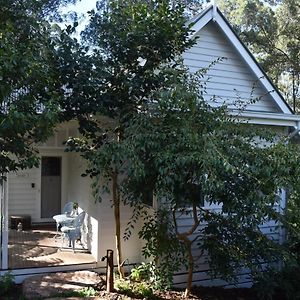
29	89
128	43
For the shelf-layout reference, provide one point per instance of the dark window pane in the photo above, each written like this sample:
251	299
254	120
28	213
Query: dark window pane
188	194
51	166
148	198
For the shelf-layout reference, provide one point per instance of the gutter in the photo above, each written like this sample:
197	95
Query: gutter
263	118
296	131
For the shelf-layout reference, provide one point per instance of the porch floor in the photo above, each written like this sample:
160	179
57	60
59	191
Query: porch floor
40	248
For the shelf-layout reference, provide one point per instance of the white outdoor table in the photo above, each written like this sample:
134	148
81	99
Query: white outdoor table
62	219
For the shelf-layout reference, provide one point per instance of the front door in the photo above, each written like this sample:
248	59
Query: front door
50	186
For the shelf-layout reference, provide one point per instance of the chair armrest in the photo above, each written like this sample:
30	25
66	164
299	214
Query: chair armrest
67	223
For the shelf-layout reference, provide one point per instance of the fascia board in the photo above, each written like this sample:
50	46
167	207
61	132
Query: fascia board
201	22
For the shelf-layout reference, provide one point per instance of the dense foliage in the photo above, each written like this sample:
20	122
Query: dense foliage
141	114
284	282
156	128
29	89
199	162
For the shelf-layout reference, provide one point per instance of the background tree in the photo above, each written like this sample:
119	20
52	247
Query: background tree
128	42
189	154
271	30
29	89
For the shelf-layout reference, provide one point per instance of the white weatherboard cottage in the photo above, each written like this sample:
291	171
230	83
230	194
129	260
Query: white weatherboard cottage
40	194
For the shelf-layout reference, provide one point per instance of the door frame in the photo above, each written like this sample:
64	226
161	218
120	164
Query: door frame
64	182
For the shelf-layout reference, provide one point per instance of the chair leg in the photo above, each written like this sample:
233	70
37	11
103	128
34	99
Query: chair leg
73	245
57	227
62	240
81	244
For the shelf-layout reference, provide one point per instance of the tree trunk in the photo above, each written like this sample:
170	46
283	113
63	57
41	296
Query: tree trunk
188	245
184	237
116	203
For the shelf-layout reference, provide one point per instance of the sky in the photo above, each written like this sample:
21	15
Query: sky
81	7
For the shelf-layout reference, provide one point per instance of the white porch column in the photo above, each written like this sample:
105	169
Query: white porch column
1	218
4	225
282	211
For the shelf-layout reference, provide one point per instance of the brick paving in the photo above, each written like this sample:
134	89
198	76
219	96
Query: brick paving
39	248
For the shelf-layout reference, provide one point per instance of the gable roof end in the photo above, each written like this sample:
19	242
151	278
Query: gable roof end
212	13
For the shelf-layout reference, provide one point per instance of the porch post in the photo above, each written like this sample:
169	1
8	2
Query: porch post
282	211
4	224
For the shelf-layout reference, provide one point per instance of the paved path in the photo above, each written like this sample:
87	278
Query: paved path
51	285
77	298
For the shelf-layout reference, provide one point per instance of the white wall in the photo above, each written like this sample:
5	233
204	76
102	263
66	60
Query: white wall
22	197
79	191
101	224
24	188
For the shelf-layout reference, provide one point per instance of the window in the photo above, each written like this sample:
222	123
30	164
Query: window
190	193
148	197
51	166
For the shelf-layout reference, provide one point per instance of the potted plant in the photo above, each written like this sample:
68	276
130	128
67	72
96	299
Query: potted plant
75	209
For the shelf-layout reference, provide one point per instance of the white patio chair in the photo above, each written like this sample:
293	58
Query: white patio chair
73	231
68	208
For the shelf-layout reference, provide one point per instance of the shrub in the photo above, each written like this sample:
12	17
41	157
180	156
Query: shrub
123	287
6	283
283	285
85	292
143	290
141	272
136	289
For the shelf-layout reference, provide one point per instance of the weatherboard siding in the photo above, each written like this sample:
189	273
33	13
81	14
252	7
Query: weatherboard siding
21	195
229	80
201	272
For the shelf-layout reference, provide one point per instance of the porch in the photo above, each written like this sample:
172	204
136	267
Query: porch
39	247
37	195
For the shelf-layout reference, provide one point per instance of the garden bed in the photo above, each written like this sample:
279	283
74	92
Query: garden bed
90	284
199	293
